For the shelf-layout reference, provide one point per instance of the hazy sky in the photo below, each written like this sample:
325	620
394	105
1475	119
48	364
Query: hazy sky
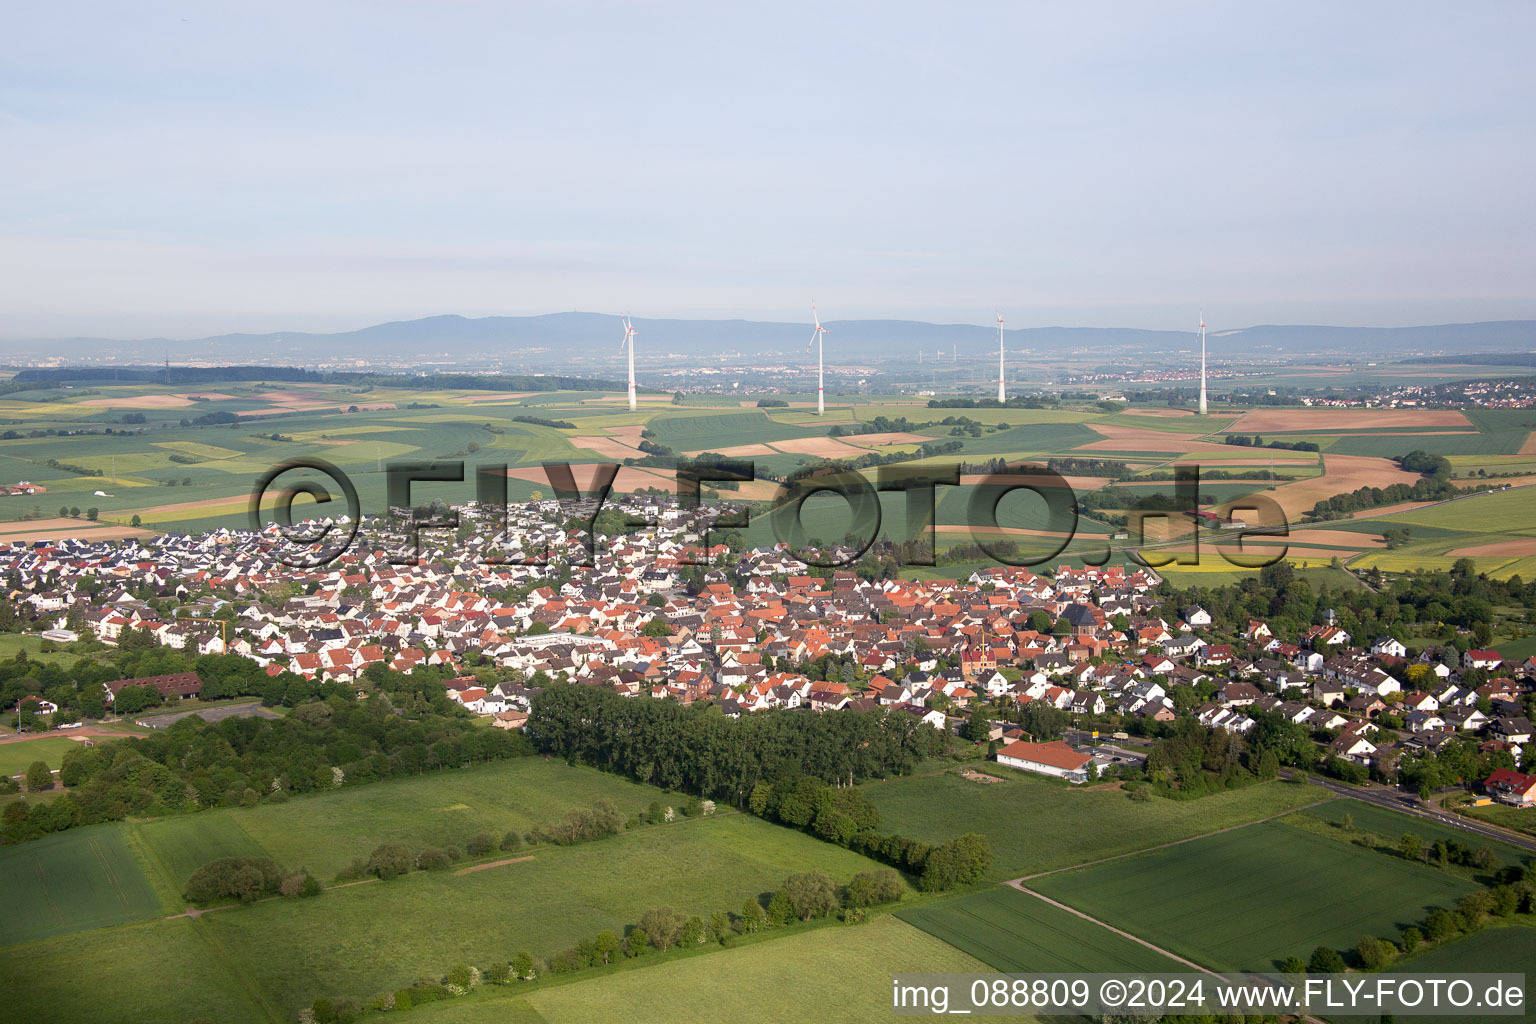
192	168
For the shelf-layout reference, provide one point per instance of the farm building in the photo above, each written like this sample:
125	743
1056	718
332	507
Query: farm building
179	684
1054	758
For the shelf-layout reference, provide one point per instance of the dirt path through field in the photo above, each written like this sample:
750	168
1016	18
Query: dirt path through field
194	913
493	864
1109	927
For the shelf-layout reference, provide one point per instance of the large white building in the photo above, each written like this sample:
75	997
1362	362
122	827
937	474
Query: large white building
1055	758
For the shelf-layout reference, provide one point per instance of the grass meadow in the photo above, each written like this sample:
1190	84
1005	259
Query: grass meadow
324	832
1248	898
359	940
837	975
1384	822
1035	824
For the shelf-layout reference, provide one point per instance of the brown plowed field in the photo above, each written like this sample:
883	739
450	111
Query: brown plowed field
1341	473
820	447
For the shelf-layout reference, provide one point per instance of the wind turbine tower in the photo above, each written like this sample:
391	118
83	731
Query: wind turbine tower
1202	362
1002	395
629	342
821	383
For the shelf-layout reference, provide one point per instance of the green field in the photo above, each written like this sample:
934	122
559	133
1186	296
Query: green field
71	881
1039	825
157	971
834	974
1018	933
1511	949
175	847
1248	898
326	832
16	757
211	466
1511	512
686	433
356	941
1374	818
338	945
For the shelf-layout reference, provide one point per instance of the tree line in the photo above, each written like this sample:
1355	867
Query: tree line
242	761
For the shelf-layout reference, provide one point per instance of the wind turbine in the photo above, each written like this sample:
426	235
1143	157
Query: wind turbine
1202	362
821	382
1002	396
629	342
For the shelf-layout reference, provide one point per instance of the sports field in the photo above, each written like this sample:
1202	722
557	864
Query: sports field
71	881
17	757
1246	899
1017	933
1039	825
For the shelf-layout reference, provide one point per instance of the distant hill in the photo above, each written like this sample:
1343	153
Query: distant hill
567	337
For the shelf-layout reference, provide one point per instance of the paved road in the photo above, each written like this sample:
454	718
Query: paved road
1085	740
1397	801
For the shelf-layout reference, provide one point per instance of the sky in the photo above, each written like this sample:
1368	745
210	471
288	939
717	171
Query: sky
181	169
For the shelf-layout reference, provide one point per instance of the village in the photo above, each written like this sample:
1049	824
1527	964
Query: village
663	617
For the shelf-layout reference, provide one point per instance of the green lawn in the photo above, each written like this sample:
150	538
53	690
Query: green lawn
1040	825
71	881
1020	934
1521	819
12	644
1246	899
832	975
358	941
16	757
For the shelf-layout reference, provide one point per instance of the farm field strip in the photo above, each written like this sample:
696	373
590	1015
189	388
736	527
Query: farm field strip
1281	891
1036	825
1017	932
72	881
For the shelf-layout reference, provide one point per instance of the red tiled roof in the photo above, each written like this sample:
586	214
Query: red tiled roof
1055	754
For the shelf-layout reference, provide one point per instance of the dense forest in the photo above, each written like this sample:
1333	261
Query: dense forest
699	750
